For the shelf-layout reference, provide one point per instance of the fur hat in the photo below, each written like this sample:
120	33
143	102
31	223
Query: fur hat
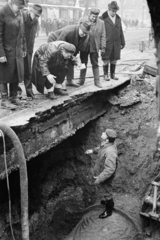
85	26
95	11
113	6
36	9
111	133
69	47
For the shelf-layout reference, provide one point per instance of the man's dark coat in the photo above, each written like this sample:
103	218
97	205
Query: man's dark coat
114	37
47	60
70	34
30	34
12	45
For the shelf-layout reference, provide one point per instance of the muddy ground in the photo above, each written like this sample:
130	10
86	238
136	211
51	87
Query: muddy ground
61	183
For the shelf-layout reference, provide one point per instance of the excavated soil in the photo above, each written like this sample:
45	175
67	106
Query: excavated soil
61	182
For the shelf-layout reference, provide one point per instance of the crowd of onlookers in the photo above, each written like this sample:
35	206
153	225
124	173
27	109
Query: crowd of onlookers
53	24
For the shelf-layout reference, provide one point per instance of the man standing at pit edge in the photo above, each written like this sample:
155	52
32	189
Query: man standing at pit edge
105	167
114	39
31	17
12	52
97	41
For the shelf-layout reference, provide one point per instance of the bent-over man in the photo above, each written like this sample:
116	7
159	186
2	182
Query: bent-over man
76	35
50	66
105	169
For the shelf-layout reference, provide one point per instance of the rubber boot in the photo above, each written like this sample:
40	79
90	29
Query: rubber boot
82	77
112	70
5	103
105	70
109	205
96	78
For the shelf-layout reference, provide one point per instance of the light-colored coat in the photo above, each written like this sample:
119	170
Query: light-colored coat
106	163
99	34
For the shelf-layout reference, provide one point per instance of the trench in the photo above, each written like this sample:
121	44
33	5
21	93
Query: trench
61	182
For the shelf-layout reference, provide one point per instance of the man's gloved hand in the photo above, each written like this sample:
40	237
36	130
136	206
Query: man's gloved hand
122	46
103	52
51	78
3	59
24	54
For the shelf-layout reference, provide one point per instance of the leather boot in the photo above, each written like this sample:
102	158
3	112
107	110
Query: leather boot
5	103
109	205
105	70
51	95
96	78
112	70
82	77
71	83
60	91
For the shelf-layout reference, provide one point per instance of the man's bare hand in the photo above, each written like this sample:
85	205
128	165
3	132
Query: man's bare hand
89	151
3	59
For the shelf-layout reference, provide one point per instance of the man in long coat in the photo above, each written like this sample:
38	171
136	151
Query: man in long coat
12	51
105	169
31	24
114	39
76	35
50	67
97	41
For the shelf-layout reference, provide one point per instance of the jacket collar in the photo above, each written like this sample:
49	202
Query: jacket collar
105	17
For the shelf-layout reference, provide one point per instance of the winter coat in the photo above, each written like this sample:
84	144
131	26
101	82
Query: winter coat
48	60
106	163
98	32
12	45
30	31
114	37
69	34
30	34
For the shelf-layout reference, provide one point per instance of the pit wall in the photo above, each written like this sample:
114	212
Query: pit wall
60	181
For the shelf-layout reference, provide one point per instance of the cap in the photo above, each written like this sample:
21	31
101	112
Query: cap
69	47
95	11
20	3
36	9
111	133
113	6
85	26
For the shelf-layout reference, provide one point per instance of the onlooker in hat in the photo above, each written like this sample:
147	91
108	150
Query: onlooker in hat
105	169
97	41
31	17
114	39
50	67
12	51
76	35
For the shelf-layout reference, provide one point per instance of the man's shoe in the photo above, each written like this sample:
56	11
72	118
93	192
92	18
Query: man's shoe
98	84
113	77
30	94
16	101
51	95
71	83
59	91
8	105
105	214
106	78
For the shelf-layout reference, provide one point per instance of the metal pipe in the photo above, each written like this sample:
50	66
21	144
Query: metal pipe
23	178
